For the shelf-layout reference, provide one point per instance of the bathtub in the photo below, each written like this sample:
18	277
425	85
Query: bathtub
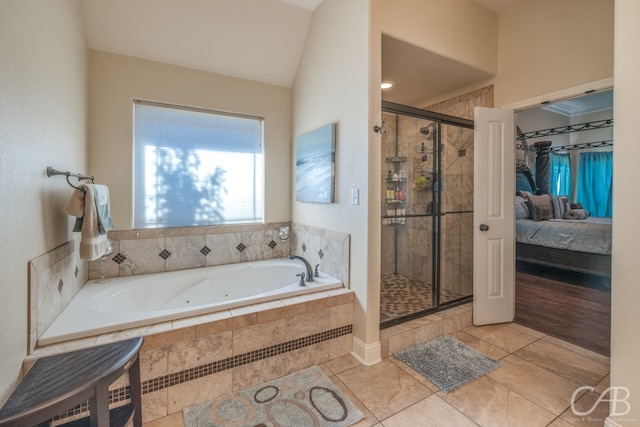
132	301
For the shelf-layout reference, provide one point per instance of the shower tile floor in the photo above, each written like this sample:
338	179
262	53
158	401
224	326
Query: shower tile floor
401	296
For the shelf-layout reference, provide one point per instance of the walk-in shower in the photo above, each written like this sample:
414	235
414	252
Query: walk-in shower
427	212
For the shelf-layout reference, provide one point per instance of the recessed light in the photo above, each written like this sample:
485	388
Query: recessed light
386	85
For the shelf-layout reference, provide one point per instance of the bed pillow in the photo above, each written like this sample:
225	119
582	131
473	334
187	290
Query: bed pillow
541	207
522	210
560	206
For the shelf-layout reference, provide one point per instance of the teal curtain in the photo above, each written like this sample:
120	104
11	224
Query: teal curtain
560	174
595	182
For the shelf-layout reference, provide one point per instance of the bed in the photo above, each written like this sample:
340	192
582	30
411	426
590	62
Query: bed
548	240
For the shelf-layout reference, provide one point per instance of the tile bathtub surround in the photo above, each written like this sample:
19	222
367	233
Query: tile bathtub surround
196	359
170	249
57	275
54	279
328	248
243	350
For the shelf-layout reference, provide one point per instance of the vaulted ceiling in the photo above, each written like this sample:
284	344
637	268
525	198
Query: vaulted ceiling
260	40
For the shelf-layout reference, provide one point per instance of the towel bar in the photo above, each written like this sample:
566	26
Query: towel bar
51	172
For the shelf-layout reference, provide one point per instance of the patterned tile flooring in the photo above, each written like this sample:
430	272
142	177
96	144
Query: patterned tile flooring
401	296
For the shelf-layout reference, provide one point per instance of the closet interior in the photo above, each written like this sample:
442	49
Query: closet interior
427	212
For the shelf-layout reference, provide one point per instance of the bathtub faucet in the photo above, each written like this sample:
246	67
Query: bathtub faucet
309	275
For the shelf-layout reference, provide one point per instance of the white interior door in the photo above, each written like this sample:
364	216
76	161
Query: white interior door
494	216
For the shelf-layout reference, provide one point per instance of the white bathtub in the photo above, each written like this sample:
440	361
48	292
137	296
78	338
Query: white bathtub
126	302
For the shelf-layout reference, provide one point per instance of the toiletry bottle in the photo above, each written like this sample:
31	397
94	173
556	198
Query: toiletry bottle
394	176
389	176
391	212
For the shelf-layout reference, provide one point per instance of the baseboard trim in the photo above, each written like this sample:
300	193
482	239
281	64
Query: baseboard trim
366	354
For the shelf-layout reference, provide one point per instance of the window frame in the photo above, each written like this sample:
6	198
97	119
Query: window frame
258	200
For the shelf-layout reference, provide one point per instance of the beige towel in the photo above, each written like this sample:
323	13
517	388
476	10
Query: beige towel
82	205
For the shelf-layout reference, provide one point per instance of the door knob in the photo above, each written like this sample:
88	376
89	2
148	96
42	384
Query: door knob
484	227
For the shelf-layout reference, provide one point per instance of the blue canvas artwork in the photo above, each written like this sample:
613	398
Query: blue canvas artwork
315	165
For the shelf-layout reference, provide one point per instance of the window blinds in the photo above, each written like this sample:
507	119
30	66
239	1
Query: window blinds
196	167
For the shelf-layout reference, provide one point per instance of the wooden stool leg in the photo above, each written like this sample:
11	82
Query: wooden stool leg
136	392
102	408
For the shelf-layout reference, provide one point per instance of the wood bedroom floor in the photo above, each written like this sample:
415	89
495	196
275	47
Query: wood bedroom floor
578	314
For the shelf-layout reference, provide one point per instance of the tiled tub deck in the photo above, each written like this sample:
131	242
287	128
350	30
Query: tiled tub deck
194	360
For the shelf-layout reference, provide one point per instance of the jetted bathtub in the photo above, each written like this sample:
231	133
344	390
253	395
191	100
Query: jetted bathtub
132	301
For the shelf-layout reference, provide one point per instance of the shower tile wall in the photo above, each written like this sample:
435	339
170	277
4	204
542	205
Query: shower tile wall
456	267
411	255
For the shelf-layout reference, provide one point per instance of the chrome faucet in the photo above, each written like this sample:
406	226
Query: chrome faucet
309	275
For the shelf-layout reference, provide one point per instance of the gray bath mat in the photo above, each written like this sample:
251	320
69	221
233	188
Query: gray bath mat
304	398
447	362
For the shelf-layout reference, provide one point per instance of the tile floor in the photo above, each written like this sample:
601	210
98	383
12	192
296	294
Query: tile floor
533	387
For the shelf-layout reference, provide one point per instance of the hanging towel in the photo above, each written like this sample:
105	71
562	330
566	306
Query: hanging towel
82	205
101	195
75	207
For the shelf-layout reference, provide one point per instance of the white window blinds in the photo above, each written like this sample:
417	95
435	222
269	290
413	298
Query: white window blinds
196	167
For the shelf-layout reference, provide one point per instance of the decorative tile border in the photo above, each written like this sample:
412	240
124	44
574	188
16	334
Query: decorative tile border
191	374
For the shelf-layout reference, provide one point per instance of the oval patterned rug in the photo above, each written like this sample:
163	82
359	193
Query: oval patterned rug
303	398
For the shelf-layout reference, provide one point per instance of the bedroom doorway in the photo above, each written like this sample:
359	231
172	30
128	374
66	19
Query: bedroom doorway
563	278
427	212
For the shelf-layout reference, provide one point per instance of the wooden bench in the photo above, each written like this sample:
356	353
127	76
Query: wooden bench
58	383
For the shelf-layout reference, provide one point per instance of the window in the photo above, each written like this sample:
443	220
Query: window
196	167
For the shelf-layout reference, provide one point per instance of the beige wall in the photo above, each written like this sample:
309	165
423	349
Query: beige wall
545	46
460	30
115	80
625	292
332	87
549	45
42	123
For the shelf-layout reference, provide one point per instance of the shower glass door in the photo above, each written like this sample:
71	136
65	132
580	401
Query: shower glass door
456	219
427	198
407	231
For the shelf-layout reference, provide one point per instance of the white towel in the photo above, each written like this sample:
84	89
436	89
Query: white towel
82	205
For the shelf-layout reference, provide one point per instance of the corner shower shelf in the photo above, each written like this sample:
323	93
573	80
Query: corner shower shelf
396	159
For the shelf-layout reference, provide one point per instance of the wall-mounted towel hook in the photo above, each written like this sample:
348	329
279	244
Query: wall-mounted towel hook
377	128
51	172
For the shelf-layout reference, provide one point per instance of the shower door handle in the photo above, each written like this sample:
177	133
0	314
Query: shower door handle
484	227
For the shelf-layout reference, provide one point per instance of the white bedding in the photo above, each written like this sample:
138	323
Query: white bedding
592	235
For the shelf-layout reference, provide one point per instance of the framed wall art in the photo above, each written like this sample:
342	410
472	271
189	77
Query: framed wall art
315	165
